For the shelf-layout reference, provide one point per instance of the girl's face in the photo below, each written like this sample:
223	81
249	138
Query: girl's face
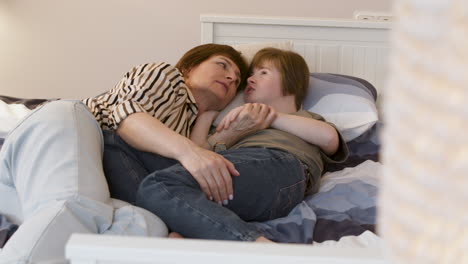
217	79
263	85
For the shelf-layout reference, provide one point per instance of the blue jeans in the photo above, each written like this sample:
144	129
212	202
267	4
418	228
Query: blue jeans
125	167
270	184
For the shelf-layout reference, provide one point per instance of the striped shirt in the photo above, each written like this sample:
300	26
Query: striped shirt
156	89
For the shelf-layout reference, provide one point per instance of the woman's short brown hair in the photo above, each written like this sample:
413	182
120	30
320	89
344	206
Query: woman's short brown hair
292	67
199	54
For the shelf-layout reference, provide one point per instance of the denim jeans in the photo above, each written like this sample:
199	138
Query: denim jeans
125	167
270	184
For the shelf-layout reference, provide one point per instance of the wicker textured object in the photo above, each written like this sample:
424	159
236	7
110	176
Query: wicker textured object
424	192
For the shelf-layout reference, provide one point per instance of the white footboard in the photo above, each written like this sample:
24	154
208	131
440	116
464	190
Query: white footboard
87	249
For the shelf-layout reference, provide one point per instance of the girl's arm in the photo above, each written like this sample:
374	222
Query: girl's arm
313	131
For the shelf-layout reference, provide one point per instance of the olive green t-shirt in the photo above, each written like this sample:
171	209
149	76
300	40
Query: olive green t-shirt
310	155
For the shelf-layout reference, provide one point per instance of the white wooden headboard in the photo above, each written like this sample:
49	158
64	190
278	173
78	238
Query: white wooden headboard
357	48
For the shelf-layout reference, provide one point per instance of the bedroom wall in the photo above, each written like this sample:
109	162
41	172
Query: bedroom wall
76	49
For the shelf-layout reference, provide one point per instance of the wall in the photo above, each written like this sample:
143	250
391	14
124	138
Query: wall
79	48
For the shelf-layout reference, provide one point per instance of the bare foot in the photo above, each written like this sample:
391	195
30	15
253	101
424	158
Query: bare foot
263	239
175	235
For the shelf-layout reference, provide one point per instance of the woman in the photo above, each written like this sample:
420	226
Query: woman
152	102
53	157
277	165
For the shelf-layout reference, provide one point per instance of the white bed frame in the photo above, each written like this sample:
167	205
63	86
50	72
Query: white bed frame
93	249
338	46
356	48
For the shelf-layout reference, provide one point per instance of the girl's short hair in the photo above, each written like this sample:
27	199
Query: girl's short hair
292	67
199	54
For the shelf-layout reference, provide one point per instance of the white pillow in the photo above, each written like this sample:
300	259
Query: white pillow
348	102
10	115
248	50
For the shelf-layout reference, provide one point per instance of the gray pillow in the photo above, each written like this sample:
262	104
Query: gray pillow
346	101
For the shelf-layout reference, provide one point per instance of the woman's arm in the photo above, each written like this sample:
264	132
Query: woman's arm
211	170
313	131
146	133
159	84
201	128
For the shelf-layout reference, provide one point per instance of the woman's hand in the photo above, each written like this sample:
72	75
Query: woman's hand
229	118
212	172
243	121
248	118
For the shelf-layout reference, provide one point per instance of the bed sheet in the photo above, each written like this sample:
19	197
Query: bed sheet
344	206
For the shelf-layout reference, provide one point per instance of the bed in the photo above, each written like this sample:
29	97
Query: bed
348	61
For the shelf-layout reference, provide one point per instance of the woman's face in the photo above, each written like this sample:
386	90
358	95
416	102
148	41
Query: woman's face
215	80
263	85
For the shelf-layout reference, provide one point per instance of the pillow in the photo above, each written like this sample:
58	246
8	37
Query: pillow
249	50
10	115
346	101
13	109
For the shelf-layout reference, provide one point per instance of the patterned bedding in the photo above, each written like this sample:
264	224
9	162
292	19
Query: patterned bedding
344	206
